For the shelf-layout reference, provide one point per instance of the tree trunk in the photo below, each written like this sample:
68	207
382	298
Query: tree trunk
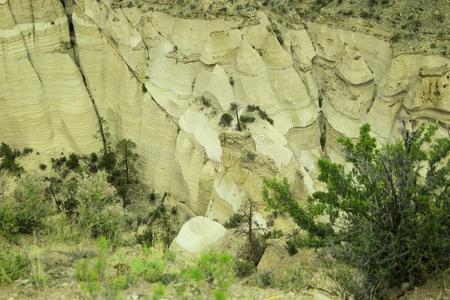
238	121
127	172
250	228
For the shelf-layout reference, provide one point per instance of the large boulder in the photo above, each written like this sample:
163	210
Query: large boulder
199	234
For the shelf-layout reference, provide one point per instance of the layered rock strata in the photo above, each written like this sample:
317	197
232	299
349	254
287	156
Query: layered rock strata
165	83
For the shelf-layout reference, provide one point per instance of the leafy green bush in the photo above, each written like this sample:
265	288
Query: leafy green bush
158	292
225	120
27	151
244	268
162	223
8	159
26	209
149	268
109	222
13	266
394	223
247	119
277	196
73	162
98	209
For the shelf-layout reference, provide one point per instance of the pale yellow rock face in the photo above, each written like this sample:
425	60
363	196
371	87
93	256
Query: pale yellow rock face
146	72
198	235
43	100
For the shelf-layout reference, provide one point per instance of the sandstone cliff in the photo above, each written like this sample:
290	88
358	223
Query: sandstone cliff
165	81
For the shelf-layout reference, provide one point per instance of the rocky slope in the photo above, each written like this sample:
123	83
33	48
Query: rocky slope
165	81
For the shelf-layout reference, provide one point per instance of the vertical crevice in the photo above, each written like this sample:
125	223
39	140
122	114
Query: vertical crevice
23	39
73	41
322	124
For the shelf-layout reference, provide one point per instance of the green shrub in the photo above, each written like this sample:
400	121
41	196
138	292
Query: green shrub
27	151
278	35
396	37
394	223
37	274
146	237
98	209
8	159
347	280
247	119
279	199
25	211
225	120
244	268
291	247
206	102
266	279
125	177
152	268
321	3
234	221
13	266
249	157
162	223
262	114
92	272
73	161
108	222
158	292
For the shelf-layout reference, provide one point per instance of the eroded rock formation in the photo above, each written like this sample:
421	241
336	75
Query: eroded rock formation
65	64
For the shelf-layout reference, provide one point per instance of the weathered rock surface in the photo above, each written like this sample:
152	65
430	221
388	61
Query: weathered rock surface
198	235
64	66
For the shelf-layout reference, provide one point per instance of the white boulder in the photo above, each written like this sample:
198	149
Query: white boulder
198	235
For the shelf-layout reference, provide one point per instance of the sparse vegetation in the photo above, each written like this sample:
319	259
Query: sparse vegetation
82	198
210	276
244	223
204	101
92	222
262	114
13	266
26	209
390	14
